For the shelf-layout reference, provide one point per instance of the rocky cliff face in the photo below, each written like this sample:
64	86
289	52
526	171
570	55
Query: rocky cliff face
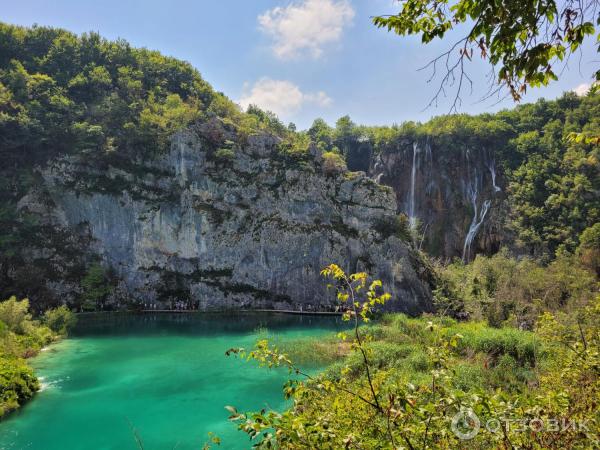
249	231
453	197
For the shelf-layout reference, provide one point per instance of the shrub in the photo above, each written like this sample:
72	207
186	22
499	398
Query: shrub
60	320
17	384
15	314
225	155
394	226
504	290
21	337
333	163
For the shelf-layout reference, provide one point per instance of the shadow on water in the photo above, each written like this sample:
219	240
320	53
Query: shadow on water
195	323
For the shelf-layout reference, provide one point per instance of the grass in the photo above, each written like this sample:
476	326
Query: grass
485	357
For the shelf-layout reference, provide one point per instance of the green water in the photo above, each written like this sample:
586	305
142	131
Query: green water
164	374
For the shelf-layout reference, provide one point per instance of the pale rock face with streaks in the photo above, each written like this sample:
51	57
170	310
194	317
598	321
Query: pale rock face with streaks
249	232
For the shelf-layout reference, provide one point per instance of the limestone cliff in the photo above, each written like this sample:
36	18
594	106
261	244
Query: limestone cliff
191	229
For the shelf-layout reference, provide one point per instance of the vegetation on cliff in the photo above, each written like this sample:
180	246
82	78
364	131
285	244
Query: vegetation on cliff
553	180
22	337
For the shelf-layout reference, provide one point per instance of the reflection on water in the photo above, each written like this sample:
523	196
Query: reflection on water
165	373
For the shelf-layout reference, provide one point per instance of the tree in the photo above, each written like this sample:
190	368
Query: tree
321	134
60	320
589	247
524	41
15	314
96	288
345	133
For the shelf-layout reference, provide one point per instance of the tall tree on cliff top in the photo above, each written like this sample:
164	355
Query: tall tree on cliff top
526	42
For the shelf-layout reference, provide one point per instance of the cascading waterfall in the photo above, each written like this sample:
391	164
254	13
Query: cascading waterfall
378	169
429	172
478	215
411	202
474	227
492	168
475	224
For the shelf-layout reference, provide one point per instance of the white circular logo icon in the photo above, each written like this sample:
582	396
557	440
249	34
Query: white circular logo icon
465	424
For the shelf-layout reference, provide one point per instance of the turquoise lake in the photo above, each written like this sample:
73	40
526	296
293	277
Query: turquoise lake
166	375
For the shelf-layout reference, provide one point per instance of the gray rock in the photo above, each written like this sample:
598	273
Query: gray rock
249	233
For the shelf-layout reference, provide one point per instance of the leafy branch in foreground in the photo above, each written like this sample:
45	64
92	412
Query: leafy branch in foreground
370	405
359	297
525	40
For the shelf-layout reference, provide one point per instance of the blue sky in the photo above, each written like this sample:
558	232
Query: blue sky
303	58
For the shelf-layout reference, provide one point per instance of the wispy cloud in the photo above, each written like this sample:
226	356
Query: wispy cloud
306	27
282	97
582	89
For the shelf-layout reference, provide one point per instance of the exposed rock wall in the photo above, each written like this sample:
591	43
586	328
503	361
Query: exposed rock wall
248	232
453	196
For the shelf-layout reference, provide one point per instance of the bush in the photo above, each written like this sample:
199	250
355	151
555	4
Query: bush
225	155
17	384
394	226
333	163
504	290
60	320
21	337
15	314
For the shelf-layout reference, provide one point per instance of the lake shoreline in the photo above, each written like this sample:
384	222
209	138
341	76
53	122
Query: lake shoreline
167	373
224	311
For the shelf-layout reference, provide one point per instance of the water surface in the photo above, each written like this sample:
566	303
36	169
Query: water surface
165	375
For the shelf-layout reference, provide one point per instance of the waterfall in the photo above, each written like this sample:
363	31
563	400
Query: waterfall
474	182
378	169
492	168
475	224
429	172
411	202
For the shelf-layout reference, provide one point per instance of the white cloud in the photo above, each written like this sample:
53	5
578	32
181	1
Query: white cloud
582	89
282	97
305	27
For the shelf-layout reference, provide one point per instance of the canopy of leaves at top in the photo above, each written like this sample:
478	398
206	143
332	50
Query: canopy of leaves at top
523	40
